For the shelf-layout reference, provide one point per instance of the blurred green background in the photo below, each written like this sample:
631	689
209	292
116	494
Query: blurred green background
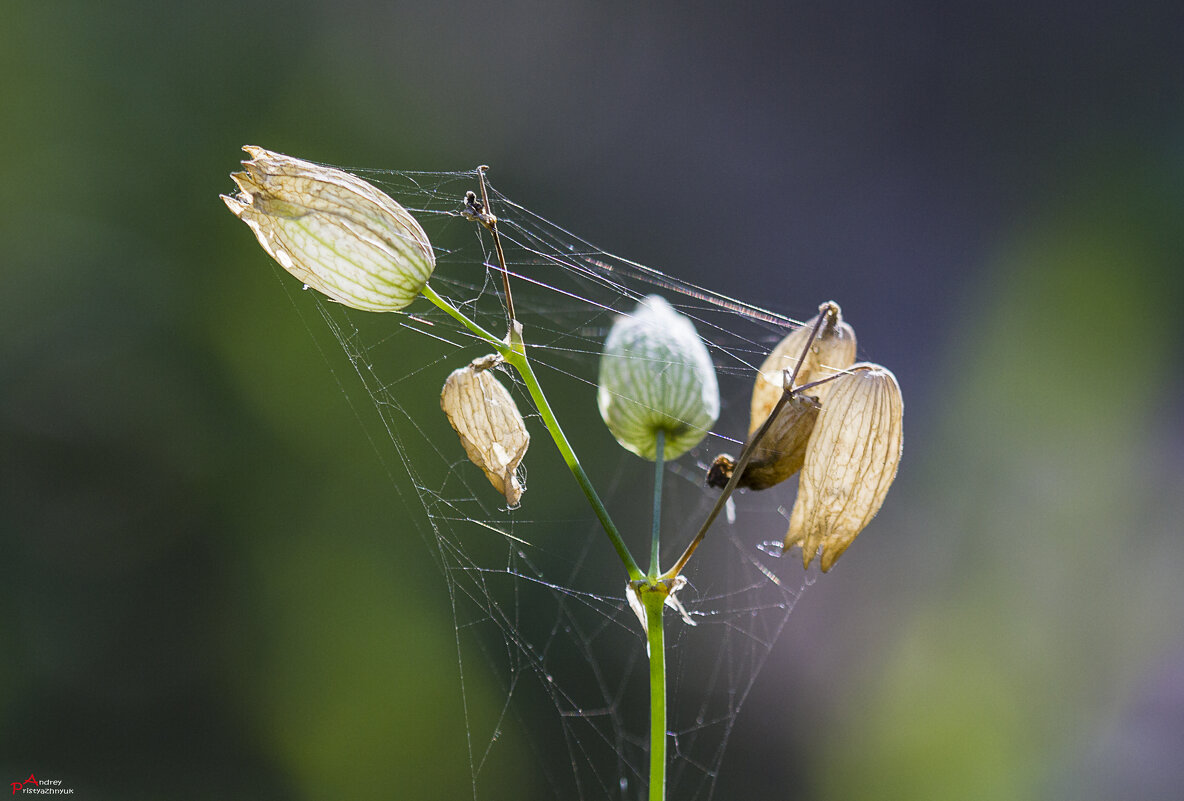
205	587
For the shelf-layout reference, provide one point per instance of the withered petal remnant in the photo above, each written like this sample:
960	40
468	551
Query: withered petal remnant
490	427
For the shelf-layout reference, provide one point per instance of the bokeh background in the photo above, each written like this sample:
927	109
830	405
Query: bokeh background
203	588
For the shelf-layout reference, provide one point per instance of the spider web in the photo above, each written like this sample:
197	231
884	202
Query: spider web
537	593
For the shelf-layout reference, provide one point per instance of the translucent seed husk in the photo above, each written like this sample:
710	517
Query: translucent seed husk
490	427
832	351
850	463
656	375
335	232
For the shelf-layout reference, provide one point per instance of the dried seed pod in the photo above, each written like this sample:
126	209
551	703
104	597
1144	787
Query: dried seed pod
850	463
780	452
832	351
656	375
335	232
488	423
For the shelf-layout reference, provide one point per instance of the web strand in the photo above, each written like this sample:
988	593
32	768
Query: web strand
541	624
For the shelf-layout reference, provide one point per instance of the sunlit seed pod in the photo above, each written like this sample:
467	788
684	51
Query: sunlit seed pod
780	452
490	427
850	463
335	232
656	375
832	351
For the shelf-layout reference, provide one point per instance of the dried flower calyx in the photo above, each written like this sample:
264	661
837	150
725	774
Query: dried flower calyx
850	462
489	425
335	232
657	376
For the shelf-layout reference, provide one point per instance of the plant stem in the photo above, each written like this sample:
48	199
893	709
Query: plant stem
826	313
514	352
490	222
656	645
651	591
656	536
502	347
573	464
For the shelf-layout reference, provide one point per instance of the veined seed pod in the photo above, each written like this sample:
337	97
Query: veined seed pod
850	463
490	427
656	375
832	351
335	232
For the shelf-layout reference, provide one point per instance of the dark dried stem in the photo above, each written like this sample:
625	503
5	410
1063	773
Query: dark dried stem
825	316
490	222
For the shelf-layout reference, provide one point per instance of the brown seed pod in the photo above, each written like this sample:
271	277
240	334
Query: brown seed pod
780	452
850	463
832	351
489	425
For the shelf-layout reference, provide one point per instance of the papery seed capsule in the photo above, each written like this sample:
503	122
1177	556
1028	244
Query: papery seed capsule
850	463
335	232
490	427
656	375
832	351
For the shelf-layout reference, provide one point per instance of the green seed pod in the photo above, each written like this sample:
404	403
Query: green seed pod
656	375
832	351
850	463
335	232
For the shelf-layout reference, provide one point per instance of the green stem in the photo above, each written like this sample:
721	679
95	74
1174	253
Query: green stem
499	345
514	352
655	538
573	464
655	640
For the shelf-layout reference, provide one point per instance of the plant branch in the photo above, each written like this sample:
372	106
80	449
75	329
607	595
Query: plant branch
750	446
654	601
656	536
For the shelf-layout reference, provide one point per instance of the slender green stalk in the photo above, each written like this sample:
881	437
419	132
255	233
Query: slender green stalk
655	538
651	591
502	347
656	643
514	352
653	596
573	464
